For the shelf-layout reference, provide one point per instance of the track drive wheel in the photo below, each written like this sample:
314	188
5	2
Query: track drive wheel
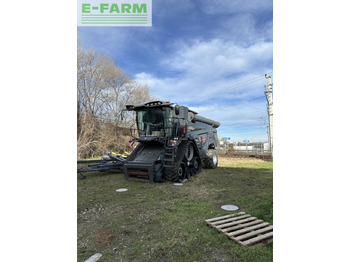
197	165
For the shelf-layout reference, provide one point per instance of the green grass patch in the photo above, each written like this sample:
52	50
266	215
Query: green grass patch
163	222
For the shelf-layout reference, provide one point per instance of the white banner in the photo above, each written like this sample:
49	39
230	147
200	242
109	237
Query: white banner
114	13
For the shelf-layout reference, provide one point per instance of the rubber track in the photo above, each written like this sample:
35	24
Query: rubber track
171	172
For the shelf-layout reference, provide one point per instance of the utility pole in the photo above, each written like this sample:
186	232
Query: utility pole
268	95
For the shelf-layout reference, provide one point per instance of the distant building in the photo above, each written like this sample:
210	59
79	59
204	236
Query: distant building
251	146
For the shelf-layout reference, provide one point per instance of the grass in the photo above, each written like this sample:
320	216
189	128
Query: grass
163	222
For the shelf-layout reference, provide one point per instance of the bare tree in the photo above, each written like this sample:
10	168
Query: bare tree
103	90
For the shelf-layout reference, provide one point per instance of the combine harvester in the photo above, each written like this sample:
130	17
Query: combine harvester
174	143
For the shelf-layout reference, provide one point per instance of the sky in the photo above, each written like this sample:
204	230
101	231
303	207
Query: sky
208	55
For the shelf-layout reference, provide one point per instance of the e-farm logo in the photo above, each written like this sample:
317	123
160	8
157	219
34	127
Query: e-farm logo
114	12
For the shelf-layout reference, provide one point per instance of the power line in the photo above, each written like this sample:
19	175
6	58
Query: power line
240	133
256	113
243	125
240	102
243	83
252	122
260	77
248	121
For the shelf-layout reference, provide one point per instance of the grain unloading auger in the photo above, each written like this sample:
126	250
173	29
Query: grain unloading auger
174	143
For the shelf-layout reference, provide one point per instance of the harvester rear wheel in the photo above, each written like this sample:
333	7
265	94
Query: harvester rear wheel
178	171
211	161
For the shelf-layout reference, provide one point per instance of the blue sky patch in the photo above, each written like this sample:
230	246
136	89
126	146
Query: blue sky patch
209	55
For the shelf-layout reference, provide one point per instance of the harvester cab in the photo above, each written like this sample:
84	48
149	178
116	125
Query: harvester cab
150	122
173	144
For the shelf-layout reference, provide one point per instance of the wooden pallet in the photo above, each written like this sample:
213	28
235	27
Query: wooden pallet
243	228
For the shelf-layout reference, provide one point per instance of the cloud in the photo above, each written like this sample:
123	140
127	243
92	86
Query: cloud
171	8
201	68
247	121
236	6
252	114
218	57
218	79
180	24
200	54
245	28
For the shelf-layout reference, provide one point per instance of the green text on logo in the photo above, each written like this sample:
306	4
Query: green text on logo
115	8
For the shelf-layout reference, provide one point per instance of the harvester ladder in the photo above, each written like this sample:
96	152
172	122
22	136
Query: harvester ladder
169	155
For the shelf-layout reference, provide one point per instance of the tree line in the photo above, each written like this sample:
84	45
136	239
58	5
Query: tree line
103	90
